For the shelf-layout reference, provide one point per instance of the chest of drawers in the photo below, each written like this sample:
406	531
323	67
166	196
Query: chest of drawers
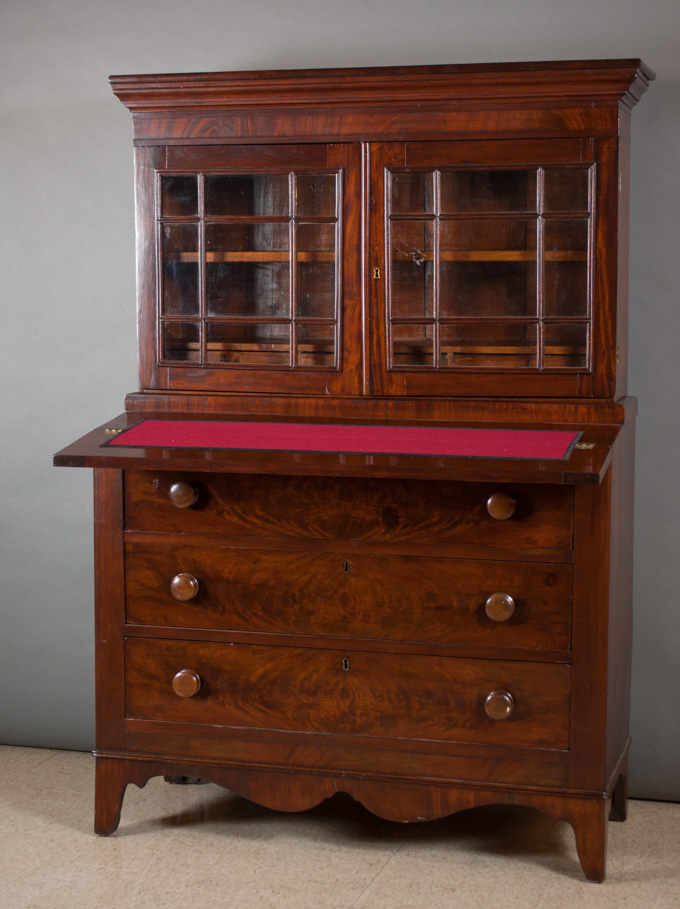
401	248
347	632
426	645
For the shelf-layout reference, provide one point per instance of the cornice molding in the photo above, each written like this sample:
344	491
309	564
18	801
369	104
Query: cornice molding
605	82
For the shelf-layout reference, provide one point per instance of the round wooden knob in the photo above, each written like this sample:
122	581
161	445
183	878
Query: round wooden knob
499	705
184	586
186	683
499	607
183	495
501	505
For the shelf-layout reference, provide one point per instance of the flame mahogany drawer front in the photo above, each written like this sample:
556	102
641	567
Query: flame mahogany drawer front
533	518
348	693
524	605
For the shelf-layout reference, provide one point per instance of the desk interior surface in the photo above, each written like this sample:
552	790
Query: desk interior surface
585	457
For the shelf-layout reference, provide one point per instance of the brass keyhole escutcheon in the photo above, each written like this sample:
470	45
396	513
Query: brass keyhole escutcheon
345	663
347	567
376	274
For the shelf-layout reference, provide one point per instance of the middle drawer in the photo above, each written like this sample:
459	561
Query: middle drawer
524	605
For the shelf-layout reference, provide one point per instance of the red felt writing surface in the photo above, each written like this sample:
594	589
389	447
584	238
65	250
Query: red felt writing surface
324	437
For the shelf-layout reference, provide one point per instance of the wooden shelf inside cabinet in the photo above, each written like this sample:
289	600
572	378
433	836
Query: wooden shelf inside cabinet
473	255
491	255
486	348
318	353
382	254
258	256
480	356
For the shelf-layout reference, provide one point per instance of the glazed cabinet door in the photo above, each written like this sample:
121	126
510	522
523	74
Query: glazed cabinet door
254	282
492	267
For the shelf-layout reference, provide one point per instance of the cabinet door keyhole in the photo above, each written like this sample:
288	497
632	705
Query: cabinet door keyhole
347	566
345	663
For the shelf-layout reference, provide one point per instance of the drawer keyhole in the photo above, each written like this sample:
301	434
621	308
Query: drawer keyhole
347	566
345	663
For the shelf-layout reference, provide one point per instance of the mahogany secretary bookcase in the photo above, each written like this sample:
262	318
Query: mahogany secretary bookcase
336	547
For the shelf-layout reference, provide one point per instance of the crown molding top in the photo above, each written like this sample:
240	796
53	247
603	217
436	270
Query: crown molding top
603	82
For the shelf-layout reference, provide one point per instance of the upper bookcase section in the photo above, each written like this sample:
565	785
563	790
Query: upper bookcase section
391	233
583	98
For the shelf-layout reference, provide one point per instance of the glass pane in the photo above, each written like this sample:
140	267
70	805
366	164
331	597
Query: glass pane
248	288
493	240
488	345
412	193
488	191
316	290
499	289
179	196
247	194
315	345
565	286
412	345
252	344
565	345
179	255
315	195
412	280
270	239
566	239
566	189
316	270
316	238
181	341
247	269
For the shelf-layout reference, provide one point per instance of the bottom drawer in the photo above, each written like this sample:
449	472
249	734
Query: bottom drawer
350	693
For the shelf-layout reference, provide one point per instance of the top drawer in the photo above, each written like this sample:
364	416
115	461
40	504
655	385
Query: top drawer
372	510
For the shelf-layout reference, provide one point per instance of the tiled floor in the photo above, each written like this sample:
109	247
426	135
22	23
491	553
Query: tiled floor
199	847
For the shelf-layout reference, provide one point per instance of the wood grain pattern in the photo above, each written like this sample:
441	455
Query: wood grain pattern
454	410
397	801
534	83
379	694
110	597
370	510
620	619
350	595
372	757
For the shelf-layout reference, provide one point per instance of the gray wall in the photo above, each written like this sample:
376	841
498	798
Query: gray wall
67	279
